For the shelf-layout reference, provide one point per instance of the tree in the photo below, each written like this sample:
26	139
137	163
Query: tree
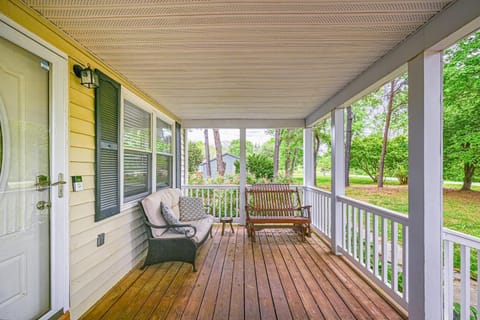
276	152
390	92
396	161
268	148
321	136
365	154
260	166
234	147
207	154
195	155
291	149
462	107
218	148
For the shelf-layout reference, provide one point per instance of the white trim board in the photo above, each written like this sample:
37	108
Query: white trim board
243	123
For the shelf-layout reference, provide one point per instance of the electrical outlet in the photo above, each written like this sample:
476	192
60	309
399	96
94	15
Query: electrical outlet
100	239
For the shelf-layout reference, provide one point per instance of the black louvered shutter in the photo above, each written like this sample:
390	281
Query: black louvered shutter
107	165
178	154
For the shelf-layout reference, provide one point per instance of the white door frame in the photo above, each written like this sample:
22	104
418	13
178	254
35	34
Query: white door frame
59	226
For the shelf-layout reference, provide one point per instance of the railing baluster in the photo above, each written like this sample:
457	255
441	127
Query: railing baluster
448	280
360	236
394	261
346	227
232	199
465	282
351	229
328	216
367	241
224	193
384	251
405	262
478	273
375	246
354	232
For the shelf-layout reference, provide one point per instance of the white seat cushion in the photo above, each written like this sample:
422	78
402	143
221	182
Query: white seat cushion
151	205
202	225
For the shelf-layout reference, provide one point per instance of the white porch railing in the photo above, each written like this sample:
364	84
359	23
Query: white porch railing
375	240
223	199
320	200
463	302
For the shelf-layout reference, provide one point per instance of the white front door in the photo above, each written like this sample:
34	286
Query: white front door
27	199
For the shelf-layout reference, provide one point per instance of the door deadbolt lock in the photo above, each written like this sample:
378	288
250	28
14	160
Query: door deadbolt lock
42	205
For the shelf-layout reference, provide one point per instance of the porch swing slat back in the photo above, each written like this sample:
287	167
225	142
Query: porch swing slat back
275	203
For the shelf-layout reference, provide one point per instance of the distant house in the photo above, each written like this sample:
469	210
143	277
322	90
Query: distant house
229	160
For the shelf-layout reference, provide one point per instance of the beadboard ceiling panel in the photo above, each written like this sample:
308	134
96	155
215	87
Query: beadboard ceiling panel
239	59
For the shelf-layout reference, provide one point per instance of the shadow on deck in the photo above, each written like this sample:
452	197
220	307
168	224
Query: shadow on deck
277	277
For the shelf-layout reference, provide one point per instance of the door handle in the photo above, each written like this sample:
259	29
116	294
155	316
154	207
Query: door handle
43	183
58	183
42	205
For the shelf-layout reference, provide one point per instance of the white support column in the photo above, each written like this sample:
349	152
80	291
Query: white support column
308	158
243	173
425	187
338	177
185	157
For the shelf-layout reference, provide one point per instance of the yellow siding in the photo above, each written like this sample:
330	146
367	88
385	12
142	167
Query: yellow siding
93	270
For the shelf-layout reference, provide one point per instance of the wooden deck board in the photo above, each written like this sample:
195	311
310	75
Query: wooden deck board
295	302
277	277
237	302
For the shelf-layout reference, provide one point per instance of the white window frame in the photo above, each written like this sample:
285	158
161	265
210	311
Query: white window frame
171	122
154	114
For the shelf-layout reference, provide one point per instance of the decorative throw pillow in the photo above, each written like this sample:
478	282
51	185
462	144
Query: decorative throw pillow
191	209
170	218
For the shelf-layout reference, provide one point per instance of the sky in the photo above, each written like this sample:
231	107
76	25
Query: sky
255	136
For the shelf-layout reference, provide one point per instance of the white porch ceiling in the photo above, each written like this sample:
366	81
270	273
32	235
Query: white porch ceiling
239	59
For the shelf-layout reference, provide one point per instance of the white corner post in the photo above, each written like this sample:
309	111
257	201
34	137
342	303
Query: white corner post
337	178
425	187
243	173
308	158
185	157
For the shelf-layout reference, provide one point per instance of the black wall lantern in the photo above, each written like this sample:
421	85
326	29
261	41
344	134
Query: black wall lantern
88	77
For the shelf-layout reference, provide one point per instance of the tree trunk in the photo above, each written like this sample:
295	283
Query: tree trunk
388	117
294	161
468	172
276	153
348	145
218	148
207	154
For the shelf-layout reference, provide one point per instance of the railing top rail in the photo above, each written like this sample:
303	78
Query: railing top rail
315	189
386	213
211	186
220	186
461	238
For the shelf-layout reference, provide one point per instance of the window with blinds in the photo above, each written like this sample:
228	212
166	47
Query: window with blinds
137	152
164	154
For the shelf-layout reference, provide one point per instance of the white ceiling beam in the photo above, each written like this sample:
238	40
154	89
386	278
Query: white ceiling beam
457	21
243	123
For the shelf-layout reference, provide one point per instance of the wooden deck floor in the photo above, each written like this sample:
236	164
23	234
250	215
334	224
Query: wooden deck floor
278	277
